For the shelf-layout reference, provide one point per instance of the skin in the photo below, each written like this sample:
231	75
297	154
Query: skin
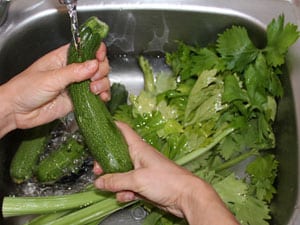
38	95
159	180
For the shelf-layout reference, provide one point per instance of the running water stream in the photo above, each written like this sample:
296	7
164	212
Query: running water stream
72	11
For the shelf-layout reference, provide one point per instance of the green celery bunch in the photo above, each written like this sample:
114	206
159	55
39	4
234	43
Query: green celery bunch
215	109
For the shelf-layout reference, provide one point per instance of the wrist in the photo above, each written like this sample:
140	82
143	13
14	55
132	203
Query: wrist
7	122
195	201
202	205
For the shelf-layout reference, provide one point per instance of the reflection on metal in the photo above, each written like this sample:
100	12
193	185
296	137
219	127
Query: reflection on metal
4	4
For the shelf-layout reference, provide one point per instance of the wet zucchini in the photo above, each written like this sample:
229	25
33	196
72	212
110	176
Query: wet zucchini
25	160
67	159
102	137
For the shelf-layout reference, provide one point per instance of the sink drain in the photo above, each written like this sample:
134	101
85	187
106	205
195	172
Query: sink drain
138	213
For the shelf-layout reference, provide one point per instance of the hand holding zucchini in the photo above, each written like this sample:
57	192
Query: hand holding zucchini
102	137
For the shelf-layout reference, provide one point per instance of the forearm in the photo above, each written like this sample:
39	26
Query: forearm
7	123
203	206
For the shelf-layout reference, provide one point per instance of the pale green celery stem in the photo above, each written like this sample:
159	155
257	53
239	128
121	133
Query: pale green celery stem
91	213
17	206
236	160
148	74
195	154
45	218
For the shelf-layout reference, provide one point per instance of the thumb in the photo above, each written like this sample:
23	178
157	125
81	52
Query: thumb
75	72
116	182
129	134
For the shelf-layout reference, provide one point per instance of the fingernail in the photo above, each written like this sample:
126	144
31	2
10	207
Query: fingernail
101	56
105	96
97	171
96	88
129	197
99	183
96	76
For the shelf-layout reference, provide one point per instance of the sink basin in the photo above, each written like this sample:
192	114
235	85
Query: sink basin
34	27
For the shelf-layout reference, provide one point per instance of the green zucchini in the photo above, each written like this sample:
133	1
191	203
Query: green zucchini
65	160
25	159
101	135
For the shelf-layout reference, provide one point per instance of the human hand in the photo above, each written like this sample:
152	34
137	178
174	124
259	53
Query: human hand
160	181
38	95
155	177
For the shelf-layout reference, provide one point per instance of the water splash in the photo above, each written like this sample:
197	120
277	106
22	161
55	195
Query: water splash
69	184
72	11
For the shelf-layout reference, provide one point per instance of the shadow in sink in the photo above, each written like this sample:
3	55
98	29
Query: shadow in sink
151	31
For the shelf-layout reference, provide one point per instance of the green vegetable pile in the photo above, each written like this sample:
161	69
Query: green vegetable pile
215	110
212	113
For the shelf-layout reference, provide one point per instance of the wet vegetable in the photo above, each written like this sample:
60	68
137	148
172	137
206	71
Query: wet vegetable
102	137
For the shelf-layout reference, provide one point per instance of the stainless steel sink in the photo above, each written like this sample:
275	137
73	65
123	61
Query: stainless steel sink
33	27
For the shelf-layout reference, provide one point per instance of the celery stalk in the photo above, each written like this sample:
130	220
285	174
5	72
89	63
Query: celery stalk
91	213
193	155
148	74
236	160
17	206
45	218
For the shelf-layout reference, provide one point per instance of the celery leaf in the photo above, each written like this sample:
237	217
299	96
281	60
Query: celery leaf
279	37
247	209
263	171
236	48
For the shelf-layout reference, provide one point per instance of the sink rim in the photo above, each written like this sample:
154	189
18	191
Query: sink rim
245	9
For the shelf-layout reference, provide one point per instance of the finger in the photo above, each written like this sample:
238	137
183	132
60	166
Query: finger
72	73
105	96
81	71
116	182
101	52
103	70
97	169
130	135
99	86
126	196
136	144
